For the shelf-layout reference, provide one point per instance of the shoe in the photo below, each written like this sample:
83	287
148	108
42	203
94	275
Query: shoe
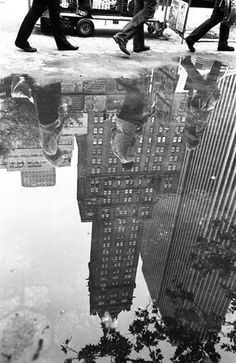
145	48
26	47
122	43
225	48
67	47
190	45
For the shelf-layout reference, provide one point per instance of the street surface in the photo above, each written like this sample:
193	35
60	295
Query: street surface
99	54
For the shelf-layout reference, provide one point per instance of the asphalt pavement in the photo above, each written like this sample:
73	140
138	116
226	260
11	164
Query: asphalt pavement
99	54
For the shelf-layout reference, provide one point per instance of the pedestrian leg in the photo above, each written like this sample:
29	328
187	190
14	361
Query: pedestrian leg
201	30
37	9
56	25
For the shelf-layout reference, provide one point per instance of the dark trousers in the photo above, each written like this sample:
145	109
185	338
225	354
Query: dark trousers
216	17
138	39
48	101
36	11
144	10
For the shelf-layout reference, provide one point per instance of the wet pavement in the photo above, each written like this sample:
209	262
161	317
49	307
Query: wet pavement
117	189
119	194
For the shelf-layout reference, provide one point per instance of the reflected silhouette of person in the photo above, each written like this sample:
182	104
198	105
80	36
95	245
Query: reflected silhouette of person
47	102
203	96
129	122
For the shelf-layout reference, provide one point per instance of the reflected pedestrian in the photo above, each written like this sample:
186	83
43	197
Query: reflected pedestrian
143	11
221	13
35	12
47	102
203	96
129	123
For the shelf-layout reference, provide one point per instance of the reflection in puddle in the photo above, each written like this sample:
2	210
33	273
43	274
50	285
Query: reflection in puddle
156	177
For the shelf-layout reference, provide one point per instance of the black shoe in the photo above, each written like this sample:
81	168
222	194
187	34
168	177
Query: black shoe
122	43
67	47
190	45
26	47
225	48
145	48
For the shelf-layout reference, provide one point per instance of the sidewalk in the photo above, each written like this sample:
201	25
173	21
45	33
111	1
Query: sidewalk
97	55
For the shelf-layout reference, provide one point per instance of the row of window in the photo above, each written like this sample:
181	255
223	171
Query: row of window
98	119
98	130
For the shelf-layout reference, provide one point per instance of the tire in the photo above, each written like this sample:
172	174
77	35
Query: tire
150	29
85	27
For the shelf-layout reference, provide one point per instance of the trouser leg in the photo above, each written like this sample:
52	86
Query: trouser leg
56	25
212	76
138	40
48	100
195	79
37	9
140	18
224	35
201	30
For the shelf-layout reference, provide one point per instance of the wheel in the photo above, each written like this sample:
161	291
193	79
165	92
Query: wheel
85	27
45	25
150	29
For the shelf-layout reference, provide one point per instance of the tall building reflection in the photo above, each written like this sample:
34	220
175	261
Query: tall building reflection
206	192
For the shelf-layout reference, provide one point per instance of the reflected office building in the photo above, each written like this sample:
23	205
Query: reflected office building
204	206
120	202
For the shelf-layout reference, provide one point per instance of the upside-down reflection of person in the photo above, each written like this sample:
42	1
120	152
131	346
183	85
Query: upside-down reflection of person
51	117
132	116
203	96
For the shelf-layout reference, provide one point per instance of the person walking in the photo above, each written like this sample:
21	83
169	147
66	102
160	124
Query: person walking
35	12
143	10
221	13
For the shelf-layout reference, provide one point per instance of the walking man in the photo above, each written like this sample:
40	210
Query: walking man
221	13
143	10
35	12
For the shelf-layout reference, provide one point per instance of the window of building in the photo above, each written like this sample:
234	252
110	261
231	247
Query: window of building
100	130
95	130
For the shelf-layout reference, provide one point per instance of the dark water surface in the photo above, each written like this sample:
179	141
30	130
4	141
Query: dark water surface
118	216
